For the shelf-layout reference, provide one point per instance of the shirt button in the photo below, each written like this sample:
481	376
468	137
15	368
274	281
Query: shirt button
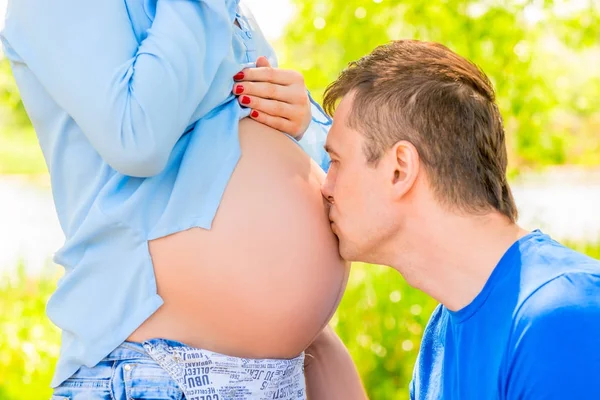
249	34
127	367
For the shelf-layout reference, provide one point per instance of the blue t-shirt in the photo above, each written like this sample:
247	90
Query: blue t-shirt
532	333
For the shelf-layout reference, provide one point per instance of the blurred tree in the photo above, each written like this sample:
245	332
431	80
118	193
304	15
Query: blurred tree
527	48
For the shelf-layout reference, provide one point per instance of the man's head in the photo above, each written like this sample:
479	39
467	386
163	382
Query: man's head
417	126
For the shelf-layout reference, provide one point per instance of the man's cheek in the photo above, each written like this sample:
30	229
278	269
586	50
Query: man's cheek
350	184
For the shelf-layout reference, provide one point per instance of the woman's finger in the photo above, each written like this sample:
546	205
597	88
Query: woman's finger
289	94
269	74
271	107
278	123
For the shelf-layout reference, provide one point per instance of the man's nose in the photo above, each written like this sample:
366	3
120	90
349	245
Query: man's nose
326	190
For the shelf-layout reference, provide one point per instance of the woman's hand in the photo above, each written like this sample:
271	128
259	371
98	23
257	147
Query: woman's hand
277	97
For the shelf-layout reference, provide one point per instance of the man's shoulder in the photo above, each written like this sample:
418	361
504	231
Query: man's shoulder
553	275
553	349
568	296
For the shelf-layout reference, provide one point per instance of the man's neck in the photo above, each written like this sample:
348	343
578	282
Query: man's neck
451	257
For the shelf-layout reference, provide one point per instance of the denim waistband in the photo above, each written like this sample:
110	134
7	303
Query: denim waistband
161	368
128	351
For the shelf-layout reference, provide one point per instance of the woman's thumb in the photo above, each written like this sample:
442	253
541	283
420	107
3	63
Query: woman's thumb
262	61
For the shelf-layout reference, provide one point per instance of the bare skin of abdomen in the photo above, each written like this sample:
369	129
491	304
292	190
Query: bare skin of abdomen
266	279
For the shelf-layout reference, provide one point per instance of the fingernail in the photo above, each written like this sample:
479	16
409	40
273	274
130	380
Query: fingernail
245	100
239	89
254	114
239	76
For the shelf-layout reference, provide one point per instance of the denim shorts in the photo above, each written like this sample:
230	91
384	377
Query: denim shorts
166	370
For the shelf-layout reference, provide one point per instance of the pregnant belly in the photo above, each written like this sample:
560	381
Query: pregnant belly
268	276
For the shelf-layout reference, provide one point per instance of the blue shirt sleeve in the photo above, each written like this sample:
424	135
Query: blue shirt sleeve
313	140
556	343
132	100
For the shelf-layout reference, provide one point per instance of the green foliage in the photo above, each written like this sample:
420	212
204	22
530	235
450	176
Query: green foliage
534	53
20	153
29	343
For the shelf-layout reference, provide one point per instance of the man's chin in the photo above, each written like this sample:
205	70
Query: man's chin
346	251
352	253
345	248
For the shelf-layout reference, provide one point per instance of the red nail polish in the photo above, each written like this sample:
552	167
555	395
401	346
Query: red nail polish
254	114
245	100
239	89
239	76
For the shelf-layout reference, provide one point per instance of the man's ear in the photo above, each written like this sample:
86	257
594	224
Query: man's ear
405	167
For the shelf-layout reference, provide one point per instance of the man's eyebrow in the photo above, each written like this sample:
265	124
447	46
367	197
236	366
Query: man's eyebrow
329	150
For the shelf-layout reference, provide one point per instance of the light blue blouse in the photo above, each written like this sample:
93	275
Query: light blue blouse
132	104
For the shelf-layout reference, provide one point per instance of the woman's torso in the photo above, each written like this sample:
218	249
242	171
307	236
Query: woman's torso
268	276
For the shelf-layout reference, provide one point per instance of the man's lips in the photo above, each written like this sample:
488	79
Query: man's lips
332	225
331	220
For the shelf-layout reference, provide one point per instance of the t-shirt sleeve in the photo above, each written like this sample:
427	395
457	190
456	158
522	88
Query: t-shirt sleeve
555	348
